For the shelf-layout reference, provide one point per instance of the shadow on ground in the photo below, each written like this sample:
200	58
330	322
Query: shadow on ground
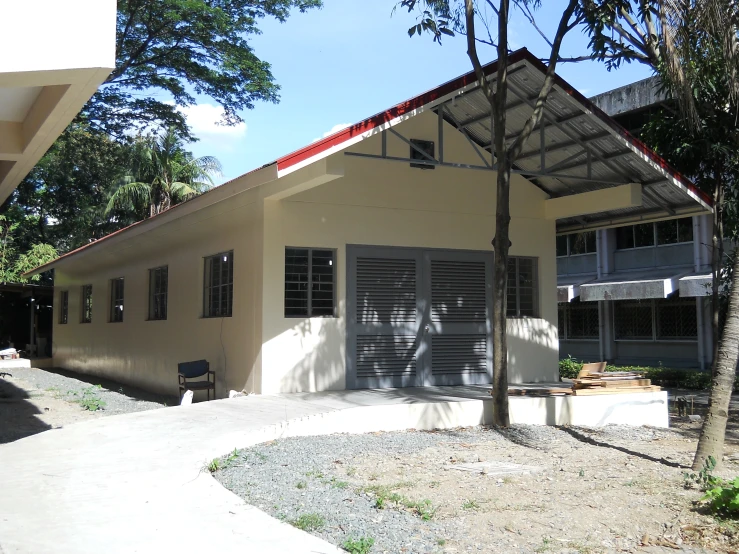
18	416
131	392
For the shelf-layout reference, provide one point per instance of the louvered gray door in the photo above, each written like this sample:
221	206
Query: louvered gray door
383	331
418	317
458	328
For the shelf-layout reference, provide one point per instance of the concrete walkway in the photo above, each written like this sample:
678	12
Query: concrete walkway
134	482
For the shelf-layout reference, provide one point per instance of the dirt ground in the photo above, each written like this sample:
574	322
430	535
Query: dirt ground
606	490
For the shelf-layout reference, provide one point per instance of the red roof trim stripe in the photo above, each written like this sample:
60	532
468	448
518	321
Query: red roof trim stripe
399	110
419	101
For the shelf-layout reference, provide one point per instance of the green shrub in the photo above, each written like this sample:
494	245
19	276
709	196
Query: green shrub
569	368
723	498
673	378
359	546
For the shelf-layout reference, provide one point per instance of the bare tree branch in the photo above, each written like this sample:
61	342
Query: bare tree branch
515	149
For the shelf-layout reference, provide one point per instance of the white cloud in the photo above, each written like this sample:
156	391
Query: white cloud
205	120
334	129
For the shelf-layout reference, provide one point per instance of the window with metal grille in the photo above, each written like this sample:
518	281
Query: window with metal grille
63	307
425	146
158	284
676	319
86	311
522	287
675	231
218	285
116	300
632	319
582	320
310	279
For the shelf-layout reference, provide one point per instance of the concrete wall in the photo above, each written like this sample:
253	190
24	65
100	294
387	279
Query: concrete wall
391	204
258	349
146	353
48	35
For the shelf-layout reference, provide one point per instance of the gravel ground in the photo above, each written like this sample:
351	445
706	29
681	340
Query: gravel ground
614	489
35	400
118	398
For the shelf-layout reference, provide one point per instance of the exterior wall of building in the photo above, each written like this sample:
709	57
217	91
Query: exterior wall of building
391	204
258	349
146	353
635	264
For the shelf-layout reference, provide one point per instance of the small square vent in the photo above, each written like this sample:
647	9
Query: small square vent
426	146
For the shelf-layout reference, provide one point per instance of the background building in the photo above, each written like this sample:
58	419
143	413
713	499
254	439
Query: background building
637	294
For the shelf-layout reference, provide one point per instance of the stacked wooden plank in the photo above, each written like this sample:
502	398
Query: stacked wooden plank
612	382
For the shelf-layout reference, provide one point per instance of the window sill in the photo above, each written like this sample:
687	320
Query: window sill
156	319
215	316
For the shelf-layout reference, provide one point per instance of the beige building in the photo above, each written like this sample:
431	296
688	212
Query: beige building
54	56
364	259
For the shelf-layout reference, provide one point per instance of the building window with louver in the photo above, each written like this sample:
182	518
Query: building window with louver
310	282
522	287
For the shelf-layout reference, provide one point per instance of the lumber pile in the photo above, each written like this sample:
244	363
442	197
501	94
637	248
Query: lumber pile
613	382
523	391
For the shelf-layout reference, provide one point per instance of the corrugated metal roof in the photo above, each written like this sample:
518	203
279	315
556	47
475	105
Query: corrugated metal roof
573	132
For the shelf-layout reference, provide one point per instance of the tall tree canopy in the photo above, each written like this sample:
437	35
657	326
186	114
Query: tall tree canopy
182	48
162	174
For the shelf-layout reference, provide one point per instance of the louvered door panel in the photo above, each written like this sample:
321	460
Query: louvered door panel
459	355
381	356
386	291
458	292
458	337
383	327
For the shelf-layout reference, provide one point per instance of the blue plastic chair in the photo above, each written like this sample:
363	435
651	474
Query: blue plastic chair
193	370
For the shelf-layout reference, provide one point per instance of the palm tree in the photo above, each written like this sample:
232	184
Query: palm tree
163	175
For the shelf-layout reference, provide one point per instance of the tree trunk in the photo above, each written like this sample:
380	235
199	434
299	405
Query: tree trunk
711	442
717	255
501	245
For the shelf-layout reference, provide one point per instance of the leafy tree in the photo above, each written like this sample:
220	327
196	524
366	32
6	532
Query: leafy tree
444	17
182	48
163	174
12	266
693	45
62	201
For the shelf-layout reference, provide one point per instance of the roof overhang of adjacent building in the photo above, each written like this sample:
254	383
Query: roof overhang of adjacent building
577	151
53	57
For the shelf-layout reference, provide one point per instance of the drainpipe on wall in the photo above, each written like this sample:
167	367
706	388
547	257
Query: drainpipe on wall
700	322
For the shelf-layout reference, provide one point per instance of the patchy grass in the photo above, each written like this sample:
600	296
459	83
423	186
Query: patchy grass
309	522
88	398
385	497
301	485
358	546
470	505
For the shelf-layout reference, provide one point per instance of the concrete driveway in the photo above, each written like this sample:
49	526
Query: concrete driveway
133	483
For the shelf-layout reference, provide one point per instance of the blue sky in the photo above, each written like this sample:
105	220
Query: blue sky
354	58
